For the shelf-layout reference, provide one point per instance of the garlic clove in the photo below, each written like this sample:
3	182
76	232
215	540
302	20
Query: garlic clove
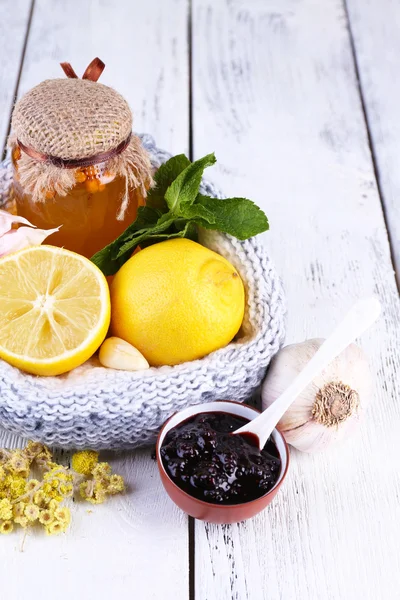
7	220
17	239
116	353
306	437
313	437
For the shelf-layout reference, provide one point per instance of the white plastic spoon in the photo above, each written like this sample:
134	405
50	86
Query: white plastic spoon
361	316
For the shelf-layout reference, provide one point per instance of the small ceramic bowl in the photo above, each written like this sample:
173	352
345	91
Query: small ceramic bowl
206	511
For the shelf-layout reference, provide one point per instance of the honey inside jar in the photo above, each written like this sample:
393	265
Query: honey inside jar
88	214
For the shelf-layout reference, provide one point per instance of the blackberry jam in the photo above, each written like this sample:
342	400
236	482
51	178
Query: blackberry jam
203	459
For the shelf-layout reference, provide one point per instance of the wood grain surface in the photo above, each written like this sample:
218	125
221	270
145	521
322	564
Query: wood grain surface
275	95
375	29
143	44
271	86
14	21
138	543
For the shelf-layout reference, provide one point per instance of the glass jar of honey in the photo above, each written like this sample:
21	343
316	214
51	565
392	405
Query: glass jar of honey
87	214
76	163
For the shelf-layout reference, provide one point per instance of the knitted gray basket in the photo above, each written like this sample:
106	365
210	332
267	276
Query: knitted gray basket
94	407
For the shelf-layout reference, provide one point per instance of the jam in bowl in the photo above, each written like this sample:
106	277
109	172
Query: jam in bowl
213	475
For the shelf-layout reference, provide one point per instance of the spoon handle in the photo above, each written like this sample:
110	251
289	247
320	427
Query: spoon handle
361	316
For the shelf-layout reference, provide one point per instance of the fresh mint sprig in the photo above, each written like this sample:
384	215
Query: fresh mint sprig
175	208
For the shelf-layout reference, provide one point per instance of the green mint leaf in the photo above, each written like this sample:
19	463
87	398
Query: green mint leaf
162	225
185	188
163	178
146	216
153	237
180	224
194	211
188	232
105	259
174	208
237	216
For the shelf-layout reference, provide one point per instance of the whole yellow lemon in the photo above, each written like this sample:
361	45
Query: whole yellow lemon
176	301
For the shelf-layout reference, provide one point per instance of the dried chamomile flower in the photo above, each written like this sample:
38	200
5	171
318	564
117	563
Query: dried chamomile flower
39	499
22	521
4	456
55	520
32	485
18	464
6	527
18	510
57	483
43	458
101	483
26	502
116	485
46	517
63	515
33	449
102	471
92	492
32	512
6	509
83	462
19	517
66	489
53	505
16	486
55	527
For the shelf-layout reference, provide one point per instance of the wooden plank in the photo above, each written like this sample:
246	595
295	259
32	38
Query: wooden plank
136	544
14	18
275	95
375	31
145	60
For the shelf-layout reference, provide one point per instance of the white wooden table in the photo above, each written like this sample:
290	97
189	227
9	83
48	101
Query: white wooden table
300	99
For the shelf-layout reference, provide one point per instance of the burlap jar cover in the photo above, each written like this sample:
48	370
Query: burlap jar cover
63	125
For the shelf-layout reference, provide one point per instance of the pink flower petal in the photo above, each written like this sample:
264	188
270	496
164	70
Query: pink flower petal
7	220
23	237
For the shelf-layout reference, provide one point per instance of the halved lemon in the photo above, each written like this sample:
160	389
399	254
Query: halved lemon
54	309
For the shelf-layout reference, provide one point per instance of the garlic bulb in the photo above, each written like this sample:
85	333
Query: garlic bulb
329	408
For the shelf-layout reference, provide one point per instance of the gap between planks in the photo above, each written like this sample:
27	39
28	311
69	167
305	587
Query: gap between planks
192	556
21	63
371	141
190	73
191	521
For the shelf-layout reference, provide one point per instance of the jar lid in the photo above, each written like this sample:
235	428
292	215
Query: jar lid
63	125
72	119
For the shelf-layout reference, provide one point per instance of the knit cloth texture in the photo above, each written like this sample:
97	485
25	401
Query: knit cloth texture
95	407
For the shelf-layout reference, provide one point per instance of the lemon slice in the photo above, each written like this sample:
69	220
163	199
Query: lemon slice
54	309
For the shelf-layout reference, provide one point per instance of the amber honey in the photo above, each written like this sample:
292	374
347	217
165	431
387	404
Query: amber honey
87	215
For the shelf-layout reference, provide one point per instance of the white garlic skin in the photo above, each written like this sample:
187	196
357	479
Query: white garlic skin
299	427
116	353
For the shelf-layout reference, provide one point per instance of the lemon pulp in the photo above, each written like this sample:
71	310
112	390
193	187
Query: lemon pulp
54	309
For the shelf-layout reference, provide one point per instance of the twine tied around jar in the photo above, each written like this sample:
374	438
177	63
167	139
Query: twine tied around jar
64	125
